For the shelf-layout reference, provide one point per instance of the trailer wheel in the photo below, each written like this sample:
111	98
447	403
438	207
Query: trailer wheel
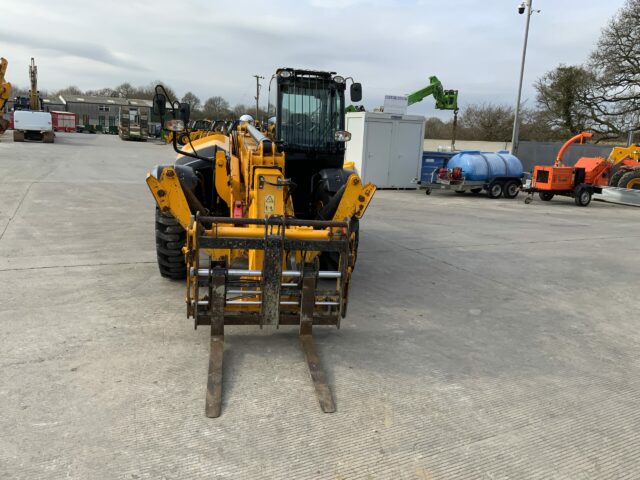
582	196
170	238
630	180
545	196
511	189
494	190
615	178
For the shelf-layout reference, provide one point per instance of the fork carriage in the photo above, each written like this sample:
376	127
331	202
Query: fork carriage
290	289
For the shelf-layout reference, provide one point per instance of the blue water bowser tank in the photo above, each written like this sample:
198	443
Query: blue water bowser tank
482	167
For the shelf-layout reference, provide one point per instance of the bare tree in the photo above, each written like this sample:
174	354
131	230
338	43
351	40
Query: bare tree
614	102
149	91
437	129
487	122
192	100
242	109
562	99
70	90
102	92
124	90
216	108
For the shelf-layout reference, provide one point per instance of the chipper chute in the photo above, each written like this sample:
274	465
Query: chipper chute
254	253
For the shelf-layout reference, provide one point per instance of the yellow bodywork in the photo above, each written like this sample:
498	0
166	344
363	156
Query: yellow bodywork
253	185
5	93
619	154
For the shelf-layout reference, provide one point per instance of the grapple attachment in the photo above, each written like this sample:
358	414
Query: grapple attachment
244	271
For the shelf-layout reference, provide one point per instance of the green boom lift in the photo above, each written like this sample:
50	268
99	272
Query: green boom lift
445	100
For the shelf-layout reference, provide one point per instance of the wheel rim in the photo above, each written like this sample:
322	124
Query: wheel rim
584	197
634	184
513	190
496	190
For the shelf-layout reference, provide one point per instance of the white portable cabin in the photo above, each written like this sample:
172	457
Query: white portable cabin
386	148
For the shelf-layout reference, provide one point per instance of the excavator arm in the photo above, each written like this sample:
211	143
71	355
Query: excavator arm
34	95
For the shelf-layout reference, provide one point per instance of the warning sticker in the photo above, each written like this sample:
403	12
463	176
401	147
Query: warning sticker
269	204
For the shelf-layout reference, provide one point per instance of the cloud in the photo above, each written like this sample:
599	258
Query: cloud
81	49
215	48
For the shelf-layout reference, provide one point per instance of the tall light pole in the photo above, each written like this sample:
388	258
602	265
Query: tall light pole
525	7
257	97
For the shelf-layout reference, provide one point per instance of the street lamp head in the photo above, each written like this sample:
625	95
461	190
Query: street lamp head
522	7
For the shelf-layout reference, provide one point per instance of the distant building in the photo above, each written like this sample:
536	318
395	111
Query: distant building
54	104
50	104
100	113
93	112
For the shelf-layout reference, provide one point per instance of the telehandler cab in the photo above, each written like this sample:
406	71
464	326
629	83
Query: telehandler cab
264	227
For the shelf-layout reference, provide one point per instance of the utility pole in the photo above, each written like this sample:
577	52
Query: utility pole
525	7
257	97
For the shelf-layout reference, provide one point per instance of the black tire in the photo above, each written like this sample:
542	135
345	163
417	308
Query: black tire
582	197
476	191
495	190
630	180
427	191
545	196
183	139
170	238
615	178
511	189
460	192
331	260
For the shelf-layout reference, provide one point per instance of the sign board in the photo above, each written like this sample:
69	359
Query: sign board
395	104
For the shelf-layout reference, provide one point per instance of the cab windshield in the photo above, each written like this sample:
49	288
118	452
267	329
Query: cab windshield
310	113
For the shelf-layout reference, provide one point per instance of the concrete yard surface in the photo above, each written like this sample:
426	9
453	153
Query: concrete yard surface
485	339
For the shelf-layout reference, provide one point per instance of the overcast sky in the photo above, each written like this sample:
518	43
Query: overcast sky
214	47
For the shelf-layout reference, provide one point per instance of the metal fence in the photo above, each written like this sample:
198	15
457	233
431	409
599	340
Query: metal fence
544	153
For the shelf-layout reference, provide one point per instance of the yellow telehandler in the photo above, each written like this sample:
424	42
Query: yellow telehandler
264	227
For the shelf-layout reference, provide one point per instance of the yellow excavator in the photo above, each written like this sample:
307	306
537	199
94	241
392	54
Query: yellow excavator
30	121
5	94
264	227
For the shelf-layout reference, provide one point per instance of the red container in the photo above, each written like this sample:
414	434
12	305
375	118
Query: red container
64	121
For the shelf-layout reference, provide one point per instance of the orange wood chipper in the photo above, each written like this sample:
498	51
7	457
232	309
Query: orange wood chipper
581	181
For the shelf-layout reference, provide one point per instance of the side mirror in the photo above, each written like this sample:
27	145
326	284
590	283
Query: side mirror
356	92
159	104
184	112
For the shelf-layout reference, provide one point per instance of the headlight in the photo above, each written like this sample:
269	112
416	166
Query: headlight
174	125
338	79
285	74
342	136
